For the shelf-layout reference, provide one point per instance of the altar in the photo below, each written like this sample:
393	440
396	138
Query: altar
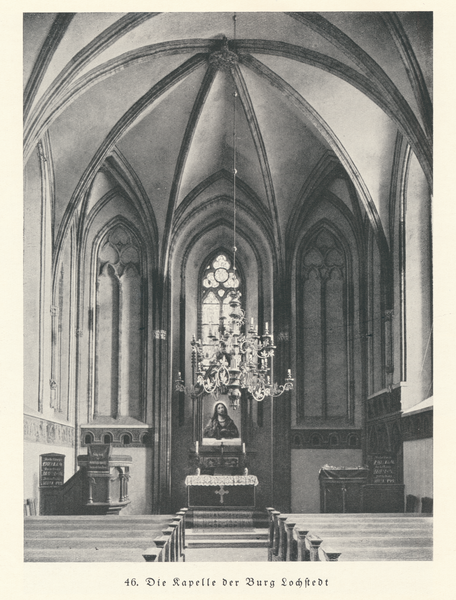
221	491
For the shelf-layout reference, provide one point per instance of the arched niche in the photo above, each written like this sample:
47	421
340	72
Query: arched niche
327	318
119	311
195	243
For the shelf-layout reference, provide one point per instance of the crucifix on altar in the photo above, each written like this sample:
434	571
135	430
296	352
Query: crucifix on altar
221	492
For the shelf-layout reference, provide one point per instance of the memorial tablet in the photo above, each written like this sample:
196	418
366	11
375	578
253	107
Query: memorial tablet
383	469
52	469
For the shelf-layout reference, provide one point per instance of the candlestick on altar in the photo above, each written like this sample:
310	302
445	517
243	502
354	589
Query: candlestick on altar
197	447
243	447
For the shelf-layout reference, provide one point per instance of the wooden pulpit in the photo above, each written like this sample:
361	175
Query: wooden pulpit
106	489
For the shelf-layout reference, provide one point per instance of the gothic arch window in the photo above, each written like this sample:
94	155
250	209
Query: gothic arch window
396	439
353	441
316	440
126	439
119	319
333	440
218	278
297	441
373	442
88	439
383	444
323	356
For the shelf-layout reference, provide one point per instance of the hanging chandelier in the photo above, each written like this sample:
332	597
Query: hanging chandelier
234	358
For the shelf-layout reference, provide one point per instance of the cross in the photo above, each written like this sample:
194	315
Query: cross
221	493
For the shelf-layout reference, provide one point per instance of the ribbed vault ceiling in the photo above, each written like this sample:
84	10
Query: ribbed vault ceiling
141	87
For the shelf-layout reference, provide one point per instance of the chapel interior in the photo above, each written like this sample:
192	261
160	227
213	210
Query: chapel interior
173	157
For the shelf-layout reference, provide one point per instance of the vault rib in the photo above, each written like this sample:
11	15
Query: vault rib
187	139
261	153
407	121
98	45
320	124
119	129
372	70
47	51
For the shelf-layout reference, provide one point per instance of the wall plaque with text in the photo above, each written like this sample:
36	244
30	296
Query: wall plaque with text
52	469
383	469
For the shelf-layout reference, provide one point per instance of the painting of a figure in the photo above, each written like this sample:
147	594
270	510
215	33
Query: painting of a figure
219	424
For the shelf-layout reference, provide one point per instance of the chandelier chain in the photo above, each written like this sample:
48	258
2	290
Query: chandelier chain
234	158
235	356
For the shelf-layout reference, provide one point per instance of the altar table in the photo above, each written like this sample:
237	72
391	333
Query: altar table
221	491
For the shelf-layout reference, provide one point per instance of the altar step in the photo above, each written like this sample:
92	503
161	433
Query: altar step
220	518
223	528
223	537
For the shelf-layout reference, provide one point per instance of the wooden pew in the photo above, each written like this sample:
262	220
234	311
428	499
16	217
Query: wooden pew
282	551
299	533
309	537
182	544
290	541
273	543
103	539
152	554
292	546
330	555
170	546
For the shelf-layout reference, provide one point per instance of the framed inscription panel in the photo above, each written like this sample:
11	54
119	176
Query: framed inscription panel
52	468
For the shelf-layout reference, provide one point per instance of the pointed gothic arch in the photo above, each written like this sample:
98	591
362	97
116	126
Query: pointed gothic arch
325	328
118	307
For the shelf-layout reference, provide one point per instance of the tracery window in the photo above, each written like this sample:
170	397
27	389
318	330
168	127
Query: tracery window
323	332
218	279
119	316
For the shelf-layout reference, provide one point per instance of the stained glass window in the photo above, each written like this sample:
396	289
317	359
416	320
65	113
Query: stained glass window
219	278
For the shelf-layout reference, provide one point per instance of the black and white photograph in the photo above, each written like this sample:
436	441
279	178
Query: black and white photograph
228	340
